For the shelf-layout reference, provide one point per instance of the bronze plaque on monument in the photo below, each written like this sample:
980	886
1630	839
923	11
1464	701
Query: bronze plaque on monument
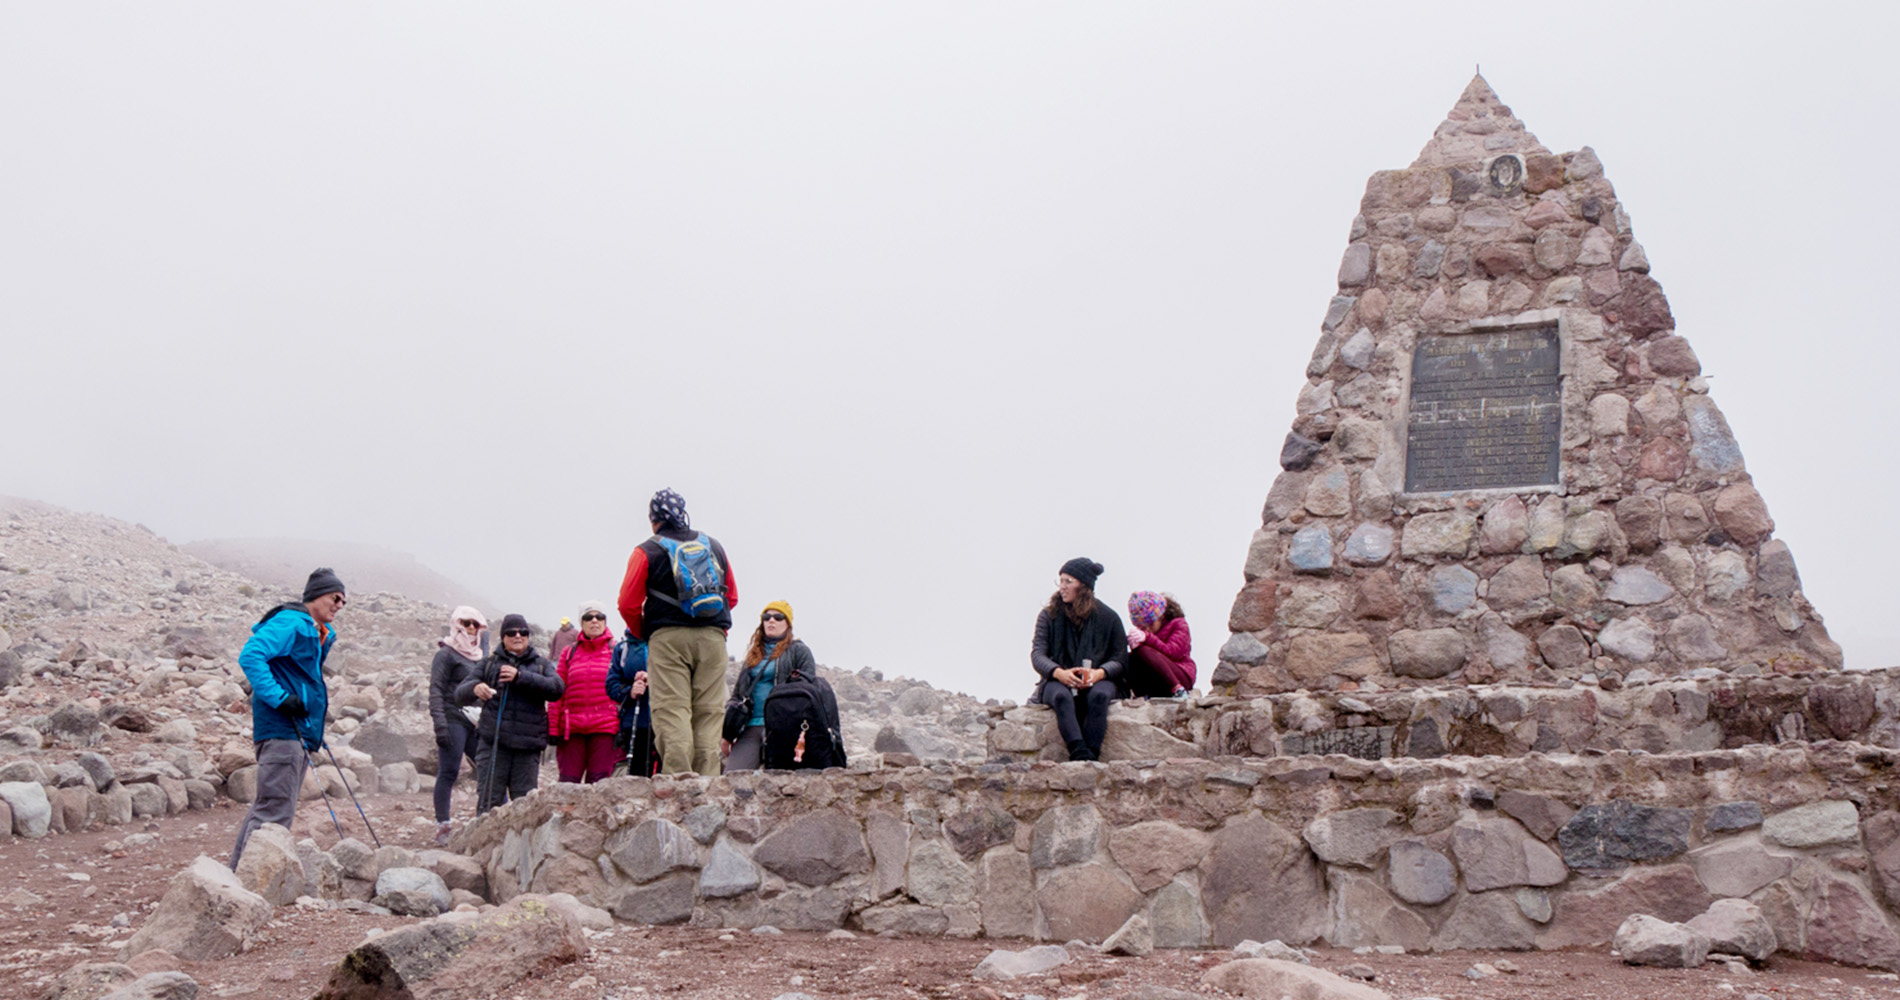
1485	411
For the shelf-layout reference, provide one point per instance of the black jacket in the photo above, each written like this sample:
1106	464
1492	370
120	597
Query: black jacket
446	674
525	727
1060	643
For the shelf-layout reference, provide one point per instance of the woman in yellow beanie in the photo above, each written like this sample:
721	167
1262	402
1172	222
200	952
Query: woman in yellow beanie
773	653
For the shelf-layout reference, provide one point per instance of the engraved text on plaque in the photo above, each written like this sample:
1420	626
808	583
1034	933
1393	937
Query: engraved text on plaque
1485	411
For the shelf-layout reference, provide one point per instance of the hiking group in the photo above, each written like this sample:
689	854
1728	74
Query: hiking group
656	700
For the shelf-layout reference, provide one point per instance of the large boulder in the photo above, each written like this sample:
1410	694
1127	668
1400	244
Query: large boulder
167	985
396	737
1275	979
461	954
1736	927
1645	940
89	980
32	810
271	866
1848	926
205	914
411	892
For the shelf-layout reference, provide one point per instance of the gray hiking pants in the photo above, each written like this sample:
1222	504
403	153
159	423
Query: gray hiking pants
280	769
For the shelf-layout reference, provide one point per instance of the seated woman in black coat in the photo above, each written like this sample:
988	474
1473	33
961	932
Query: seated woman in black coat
1079	652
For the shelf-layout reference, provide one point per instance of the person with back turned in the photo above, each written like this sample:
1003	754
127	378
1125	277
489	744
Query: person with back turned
678	595
283	660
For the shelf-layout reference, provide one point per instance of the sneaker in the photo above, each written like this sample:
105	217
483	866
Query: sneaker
442	834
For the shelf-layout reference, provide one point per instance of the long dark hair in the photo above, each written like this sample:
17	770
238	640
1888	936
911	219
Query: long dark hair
1077	612
755	653
1172	610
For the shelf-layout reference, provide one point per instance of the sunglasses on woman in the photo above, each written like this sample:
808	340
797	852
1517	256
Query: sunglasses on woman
593	616
772	616
469	624
510	632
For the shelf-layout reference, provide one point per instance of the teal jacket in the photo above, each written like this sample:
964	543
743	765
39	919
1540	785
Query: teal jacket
283	656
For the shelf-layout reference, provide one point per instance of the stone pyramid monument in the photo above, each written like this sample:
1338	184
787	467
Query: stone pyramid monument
1505	465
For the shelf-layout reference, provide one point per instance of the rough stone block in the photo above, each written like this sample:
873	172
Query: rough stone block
1155	851
1613	834
1445	534
1259	882
1427	653
1356	837
1087	901
1065	835
1420	874
815	849
1817	824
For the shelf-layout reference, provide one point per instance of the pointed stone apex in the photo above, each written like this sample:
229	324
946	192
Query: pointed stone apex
1478	127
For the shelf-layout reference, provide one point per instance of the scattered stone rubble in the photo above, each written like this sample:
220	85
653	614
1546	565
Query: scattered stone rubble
1652	551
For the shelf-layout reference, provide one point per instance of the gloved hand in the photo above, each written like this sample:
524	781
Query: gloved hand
292	707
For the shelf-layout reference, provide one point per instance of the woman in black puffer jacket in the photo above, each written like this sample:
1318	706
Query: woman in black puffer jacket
514	686
461	654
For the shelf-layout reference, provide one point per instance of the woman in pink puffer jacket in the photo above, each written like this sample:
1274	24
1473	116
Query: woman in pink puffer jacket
583	722
1161	664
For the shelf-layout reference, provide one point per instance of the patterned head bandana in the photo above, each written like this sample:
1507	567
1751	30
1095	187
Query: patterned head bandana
1145	608
668	510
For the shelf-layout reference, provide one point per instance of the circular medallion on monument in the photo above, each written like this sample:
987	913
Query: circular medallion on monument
1506	174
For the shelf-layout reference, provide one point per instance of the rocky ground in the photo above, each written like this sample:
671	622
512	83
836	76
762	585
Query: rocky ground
75	898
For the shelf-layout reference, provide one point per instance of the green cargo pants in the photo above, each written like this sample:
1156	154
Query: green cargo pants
686	687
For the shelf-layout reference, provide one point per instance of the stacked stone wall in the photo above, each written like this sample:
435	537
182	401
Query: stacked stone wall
1651	551
1714	711
1498	853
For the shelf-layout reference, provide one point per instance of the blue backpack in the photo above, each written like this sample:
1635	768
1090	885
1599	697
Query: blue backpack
697	576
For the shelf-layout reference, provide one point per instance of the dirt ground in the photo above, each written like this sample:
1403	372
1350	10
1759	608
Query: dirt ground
89	882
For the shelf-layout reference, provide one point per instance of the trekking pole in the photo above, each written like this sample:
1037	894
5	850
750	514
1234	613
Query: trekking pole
352	791
494	751
307	759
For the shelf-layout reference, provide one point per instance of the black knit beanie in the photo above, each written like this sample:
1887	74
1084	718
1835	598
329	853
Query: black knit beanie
1084	569
322	581
513	622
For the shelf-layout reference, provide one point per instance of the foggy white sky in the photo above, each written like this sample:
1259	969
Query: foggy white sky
912	302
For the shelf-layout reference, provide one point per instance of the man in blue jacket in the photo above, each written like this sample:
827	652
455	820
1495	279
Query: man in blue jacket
283	660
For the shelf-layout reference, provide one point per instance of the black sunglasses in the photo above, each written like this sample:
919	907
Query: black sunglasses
772	616
505	633
593	616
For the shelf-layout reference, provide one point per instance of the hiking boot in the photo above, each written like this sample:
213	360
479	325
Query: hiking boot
442	831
